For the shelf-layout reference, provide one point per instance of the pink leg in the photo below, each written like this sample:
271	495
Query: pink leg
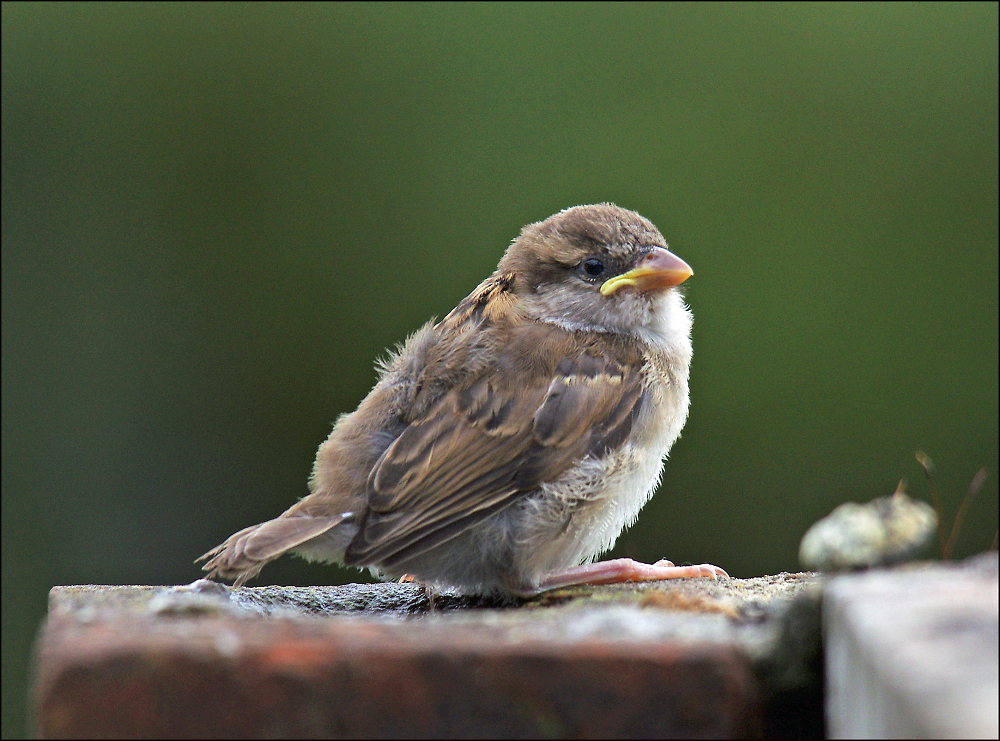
625	569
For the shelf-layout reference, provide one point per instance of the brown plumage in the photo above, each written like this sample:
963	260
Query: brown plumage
514	440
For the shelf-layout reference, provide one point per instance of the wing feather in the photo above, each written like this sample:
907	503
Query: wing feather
480	448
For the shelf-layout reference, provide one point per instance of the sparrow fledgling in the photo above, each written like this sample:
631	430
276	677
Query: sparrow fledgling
508	445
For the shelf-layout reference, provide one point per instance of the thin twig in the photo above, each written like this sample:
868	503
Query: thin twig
974	487
928	465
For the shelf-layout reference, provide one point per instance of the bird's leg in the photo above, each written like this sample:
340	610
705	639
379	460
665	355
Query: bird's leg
428	590
623	570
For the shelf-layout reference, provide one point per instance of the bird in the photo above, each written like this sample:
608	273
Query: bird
505	447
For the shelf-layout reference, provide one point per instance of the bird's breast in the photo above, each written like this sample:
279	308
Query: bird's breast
580	515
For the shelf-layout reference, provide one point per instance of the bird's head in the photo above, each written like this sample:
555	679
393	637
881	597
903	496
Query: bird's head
597	267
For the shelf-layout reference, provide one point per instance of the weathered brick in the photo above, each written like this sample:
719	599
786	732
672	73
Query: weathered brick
225	676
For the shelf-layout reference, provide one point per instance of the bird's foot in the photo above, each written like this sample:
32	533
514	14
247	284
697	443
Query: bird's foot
621	570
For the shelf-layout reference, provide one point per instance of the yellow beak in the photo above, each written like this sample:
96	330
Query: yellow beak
656	271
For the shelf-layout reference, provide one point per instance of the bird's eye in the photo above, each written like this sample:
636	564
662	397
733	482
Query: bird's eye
593	267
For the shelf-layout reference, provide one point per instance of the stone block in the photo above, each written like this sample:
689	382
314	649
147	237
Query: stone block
912	652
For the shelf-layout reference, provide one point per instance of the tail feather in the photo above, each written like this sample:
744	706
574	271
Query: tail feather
245	553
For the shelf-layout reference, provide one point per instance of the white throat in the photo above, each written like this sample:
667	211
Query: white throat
664	323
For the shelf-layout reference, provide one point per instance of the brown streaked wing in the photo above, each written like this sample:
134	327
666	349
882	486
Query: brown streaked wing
479	449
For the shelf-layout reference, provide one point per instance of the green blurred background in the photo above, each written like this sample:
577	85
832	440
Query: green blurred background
216	217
